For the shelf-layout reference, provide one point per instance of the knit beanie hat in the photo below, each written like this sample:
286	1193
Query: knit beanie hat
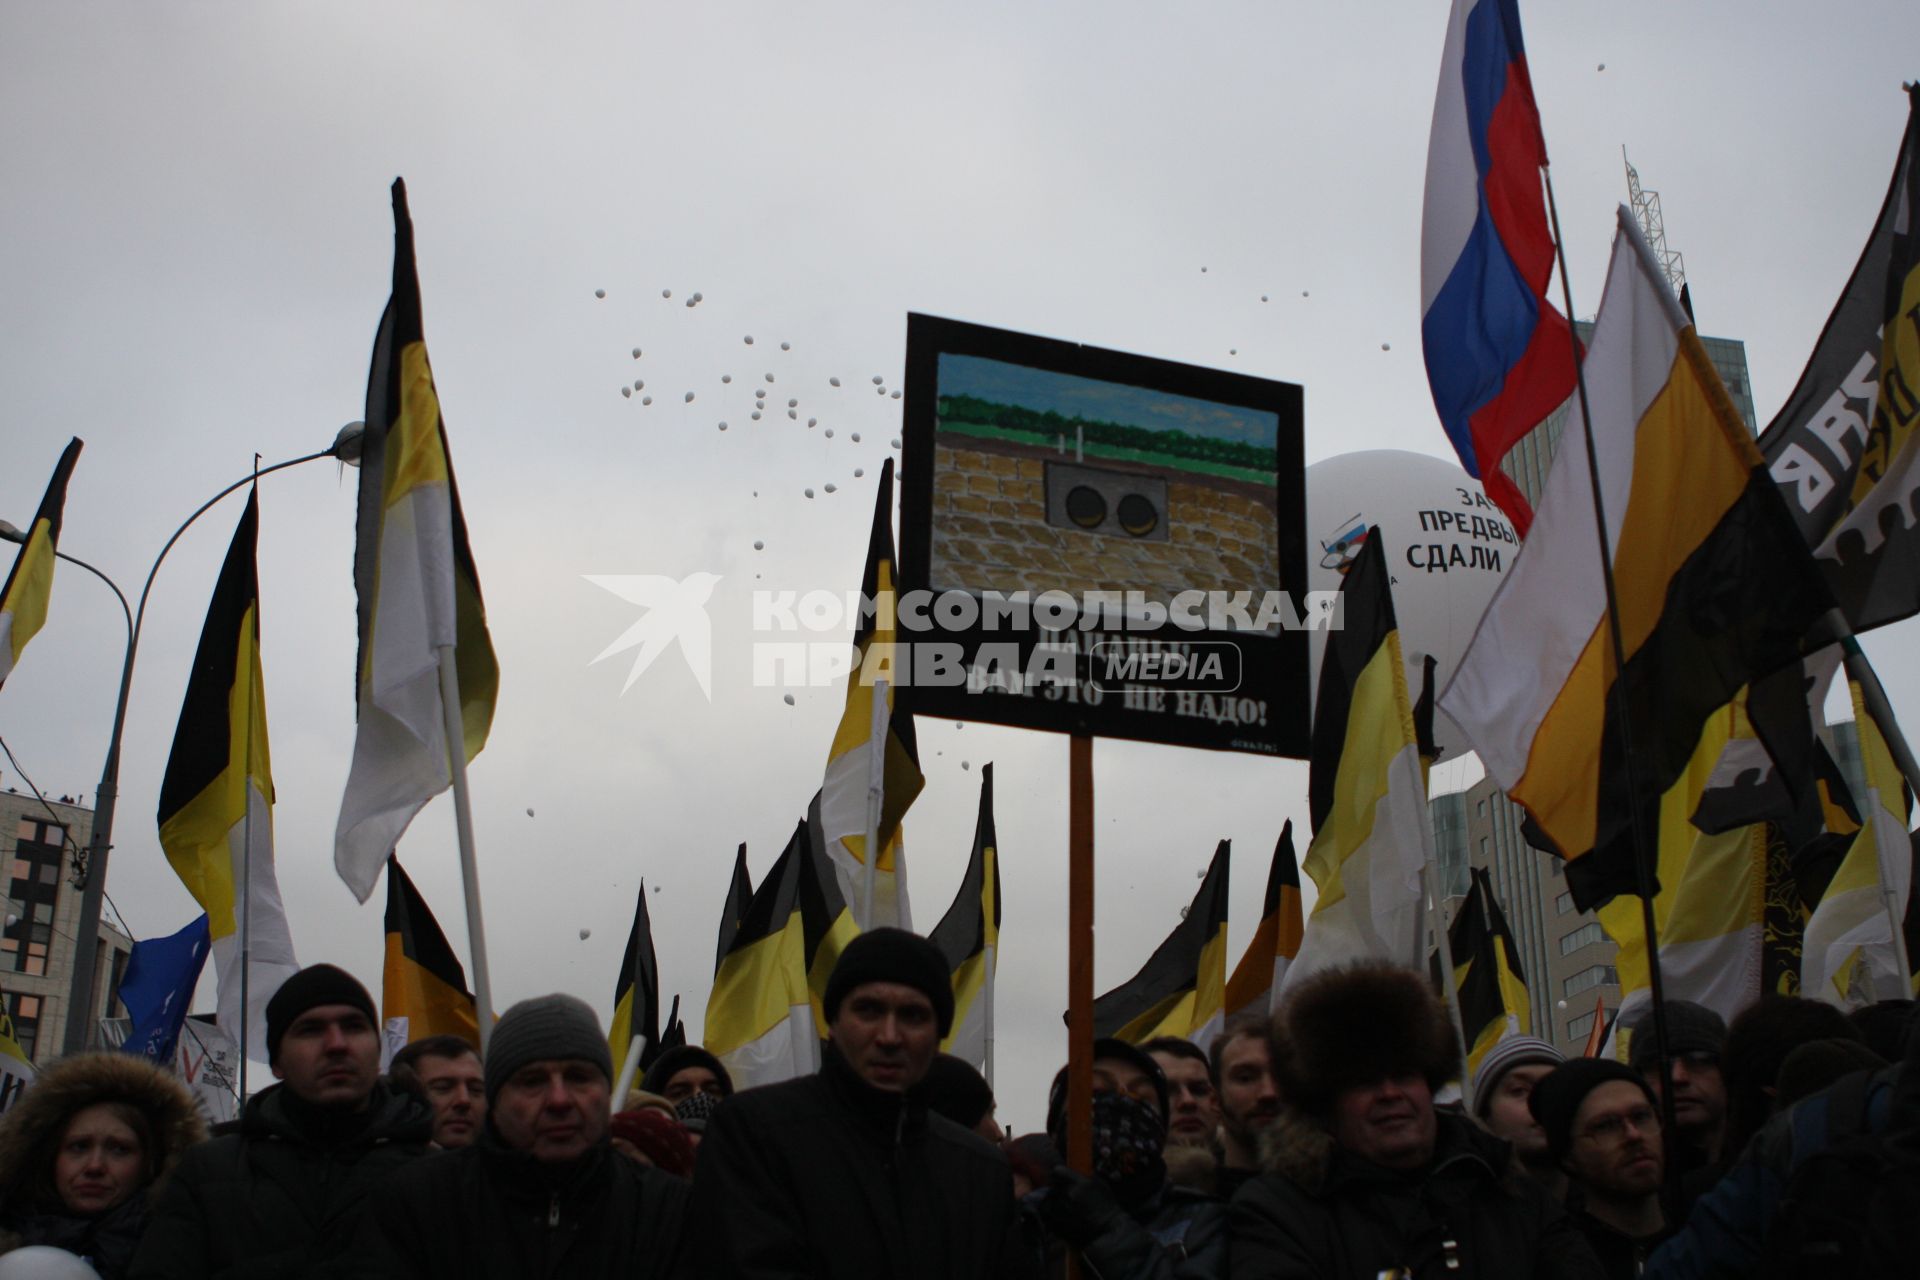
957	1091
1557	1097
695	1110
659	1136
893	955
1514	1051
555	1027
313	986
1816	1064
672	1062
1691	1028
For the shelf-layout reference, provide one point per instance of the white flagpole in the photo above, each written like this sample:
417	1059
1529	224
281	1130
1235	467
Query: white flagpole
1436	911
456	735
876	795
628	1070
993	961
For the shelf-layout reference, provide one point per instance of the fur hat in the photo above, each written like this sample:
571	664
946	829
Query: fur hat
1356	1025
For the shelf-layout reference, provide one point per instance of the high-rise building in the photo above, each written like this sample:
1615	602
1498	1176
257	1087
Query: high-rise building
38	847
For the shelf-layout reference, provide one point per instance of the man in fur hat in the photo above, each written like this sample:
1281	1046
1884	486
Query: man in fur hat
1364	1177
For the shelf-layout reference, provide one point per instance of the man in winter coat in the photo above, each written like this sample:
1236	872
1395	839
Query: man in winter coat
284	1196
1128	1221
542	1193
845	1174
1365	1177
1602	1124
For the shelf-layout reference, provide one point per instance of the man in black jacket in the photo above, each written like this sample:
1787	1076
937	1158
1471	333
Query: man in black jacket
285	1196
845	1174
542	1193
1365	1177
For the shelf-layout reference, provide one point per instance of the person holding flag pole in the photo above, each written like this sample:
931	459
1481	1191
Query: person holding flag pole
427	674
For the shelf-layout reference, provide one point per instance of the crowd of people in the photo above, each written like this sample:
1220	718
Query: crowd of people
1329	1140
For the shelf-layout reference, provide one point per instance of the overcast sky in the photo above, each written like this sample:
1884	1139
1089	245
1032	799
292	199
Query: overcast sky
198	249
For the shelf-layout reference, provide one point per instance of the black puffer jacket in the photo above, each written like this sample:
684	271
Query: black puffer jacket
31	1211
1320	1211
828	1178
488	1211
284	1196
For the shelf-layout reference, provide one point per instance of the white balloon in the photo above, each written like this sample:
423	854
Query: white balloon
758	545
809	493
858	472
833	382
788	699
832	488
585	934
726	377
829	433
748	339
877	379
627	392
856	437
636	353
646	399
599	293
44	1262
1438	608
786	346
689	397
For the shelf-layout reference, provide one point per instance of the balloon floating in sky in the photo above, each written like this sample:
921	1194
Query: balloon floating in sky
809	493
1263	297
833	382
877	380
585	934
1233	351
813	422
646	399
748	339
1386	346
758	545
726	377
723	426
769	377
689	397
792	403
699	296
794	414
529	813
786	346
896	442
639	384
856	437
858	472
829	433
627	392
756	415
599	293
666	293
788	699
896	395
636	353
832	489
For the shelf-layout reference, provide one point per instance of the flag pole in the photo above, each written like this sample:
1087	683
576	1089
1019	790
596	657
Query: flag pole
1443	942
1079	1150
246	839
629	1069
879	725
1874	697
1642	856
456	735
992	962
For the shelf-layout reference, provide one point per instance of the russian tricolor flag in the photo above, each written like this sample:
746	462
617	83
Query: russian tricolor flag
1499	357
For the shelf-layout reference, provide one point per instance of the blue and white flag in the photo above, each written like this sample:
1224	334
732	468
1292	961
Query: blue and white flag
158	987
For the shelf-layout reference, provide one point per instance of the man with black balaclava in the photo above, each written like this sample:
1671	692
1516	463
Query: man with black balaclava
1127	1221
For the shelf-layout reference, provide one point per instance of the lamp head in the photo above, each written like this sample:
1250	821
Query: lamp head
348	444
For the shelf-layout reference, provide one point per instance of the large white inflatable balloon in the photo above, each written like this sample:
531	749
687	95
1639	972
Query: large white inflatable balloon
44	1262
1448	547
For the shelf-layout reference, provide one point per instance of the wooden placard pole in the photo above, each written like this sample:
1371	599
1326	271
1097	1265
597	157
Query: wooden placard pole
1079	1151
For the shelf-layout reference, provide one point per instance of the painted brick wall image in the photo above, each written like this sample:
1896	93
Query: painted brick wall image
990	529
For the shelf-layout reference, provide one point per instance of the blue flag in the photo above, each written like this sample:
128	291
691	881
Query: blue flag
158	986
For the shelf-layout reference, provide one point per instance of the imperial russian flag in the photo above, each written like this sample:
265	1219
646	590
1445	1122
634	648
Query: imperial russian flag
1499	357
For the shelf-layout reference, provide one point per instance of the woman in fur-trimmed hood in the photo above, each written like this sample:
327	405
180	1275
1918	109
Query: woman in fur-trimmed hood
82	1151
1362	1175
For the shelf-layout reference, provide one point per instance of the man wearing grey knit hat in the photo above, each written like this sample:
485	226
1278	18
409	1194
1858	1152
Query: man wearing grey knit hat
542	1192
1501	1088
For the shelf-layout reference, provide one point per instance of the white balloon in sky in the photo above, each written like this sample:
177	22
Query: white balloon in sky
699	296
529	813
788	699
792	403
756	415
786	346
748	339
646	399
627	392
832	488
856	437
1233	351
809	493
639	384
813	422
858	472
666	293
599	293
896	442
794	414
760	393
1388	346
833	382
726	377
723	426
877	379
1263	298
689	397
636	353
829	433
896	395
758	545
769	377
585	934
1400	494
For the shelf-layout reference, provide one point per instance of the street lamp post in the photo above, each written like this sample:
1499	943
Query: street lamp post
93	873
